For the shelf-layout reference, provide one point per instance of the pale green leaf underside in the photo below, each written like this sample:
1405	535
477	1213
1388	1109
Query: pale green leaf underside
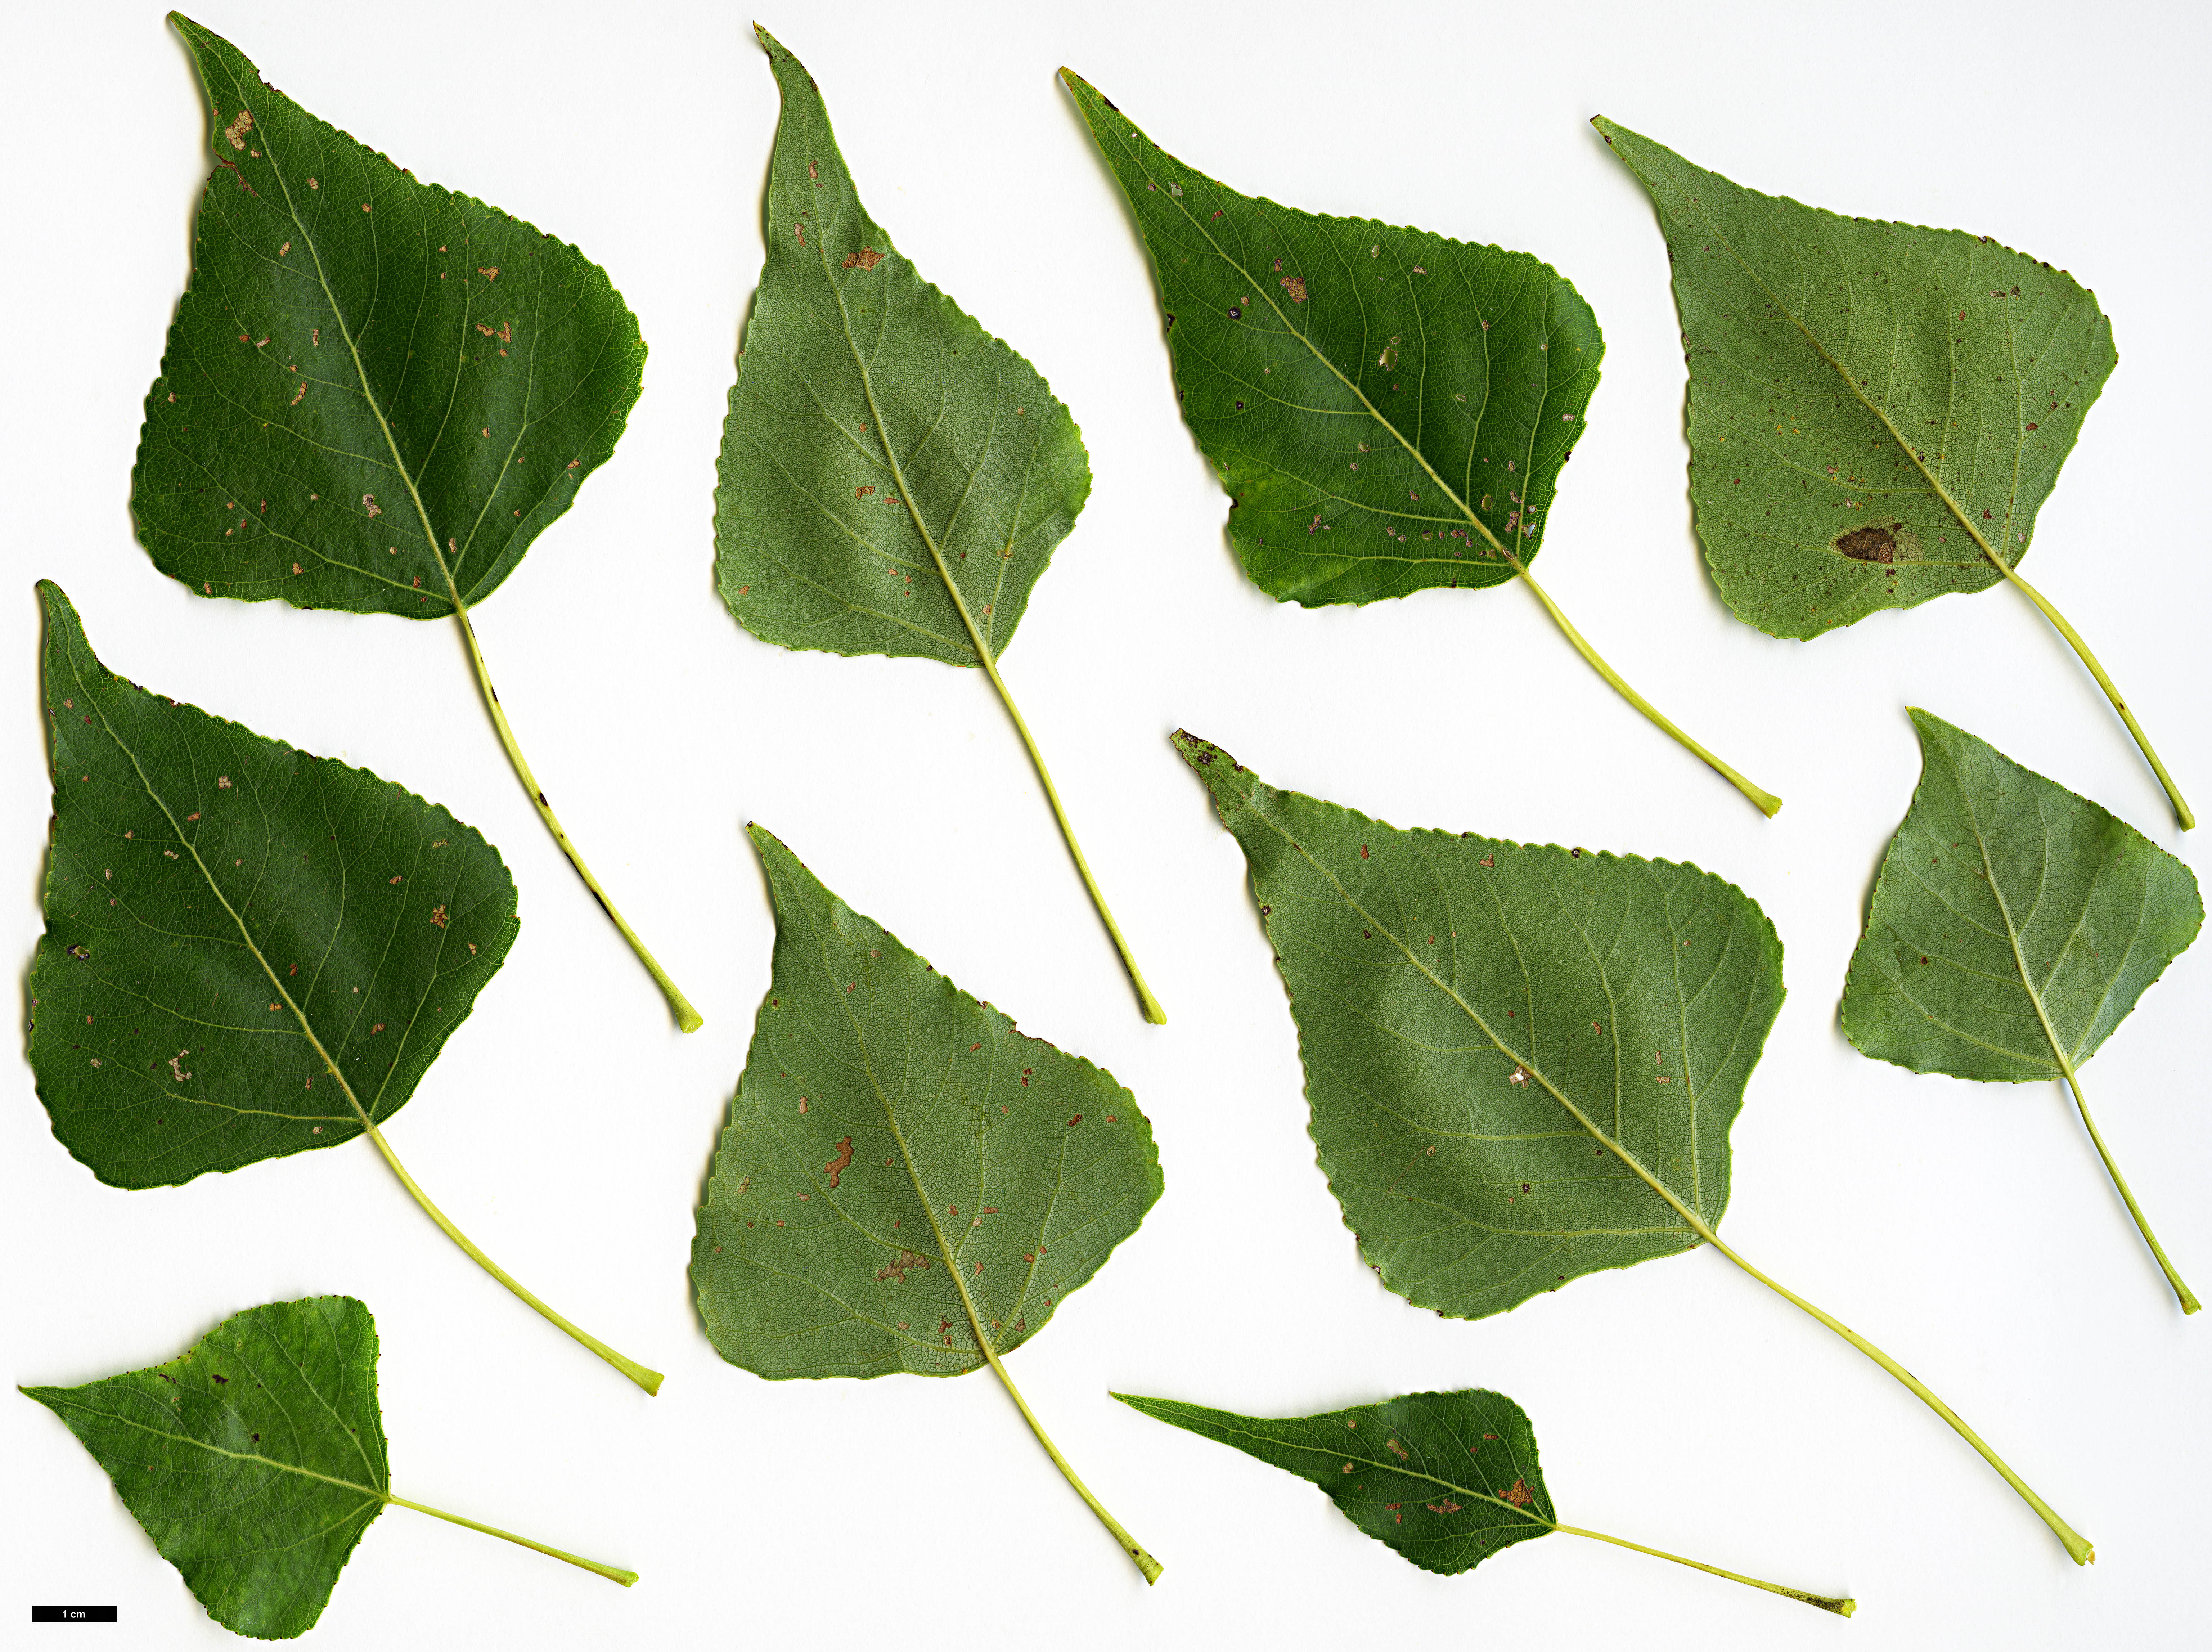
1874	407
1446	1479
890	1134
879	441
255	1459
368	375
2014	925
1509	1049
1385	406
223	911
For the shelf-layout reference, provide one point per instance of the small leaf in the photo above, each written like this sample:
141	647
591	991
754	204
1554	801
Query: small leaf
255	1459
1522	1060
2013	928
906	1183
893	479
249	951
1446	1479
241	939
1389	409
1876	410
377	392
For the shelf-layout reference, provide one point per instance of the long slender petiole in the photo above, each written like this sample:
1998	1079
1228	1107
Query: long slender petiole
1842	1606
644	1376
1765	800
615	1573
2189	1302
686	1017
1136	1551
2080	1548
2181	809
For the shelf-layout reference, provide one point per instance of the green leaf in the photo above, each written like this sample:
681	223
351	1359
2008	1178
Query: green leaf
377	392
250	951
1387	408
2012	929
1522	1060
893	479
1446	1479
905	1183
255	1459
1876	410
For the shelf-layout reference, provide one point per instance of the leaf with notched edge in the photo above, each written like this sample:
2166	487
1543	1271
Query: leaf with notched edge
905	1182
2013	928
249	951
255	1459
1446	1479
230	923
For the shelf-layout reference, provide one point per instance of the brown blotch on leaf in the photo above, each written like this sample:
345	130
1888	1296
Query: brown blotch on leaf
1296	286
897	1269
1868	544
864	260
837	1166
1518	1494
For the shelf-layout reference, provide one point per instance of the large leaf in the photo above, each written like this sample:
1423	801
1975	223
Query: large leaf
1522	1061
255	1459
1388	408
2012	929
249	951
377	392
1876	410
893	479
372	384
242	941
905	1183
1446	1479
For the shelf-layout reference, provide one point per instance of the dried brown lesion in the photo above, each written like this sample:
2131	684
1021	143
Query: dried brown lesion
1868	544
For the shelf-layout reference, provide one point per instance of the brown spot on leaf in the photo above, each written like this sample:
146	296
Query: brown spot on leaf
438	916
238	128
1518	1494
1296	286
837	1166
1868	544
864	260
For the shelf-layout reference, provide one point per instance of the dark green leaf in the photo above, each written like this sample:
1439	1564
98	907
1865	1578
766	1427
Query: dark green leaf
2013	928
237	933
1446	1479
1385	406
1522	1061
372	382
906	1183
255	1459
1877	412
892	475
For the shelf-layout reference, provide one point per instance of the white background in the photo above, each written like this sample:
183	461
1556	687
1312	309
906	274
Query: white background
1968	1228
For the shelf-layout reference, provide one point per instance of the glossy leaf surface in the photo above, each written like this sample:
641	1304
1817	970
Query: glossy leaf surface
255	1459
1446	1479
1511	1050
882	450
1875	409
1385	406
371	382
229	919
2014	926
905	1181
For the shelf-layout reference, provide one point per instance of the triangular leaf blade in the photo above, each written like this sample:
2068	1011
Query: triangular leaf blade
1522	1061
370	381
1384	405
902	1173
255	1459
2014	925
1875	409
226	917
1446	1479
878	443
